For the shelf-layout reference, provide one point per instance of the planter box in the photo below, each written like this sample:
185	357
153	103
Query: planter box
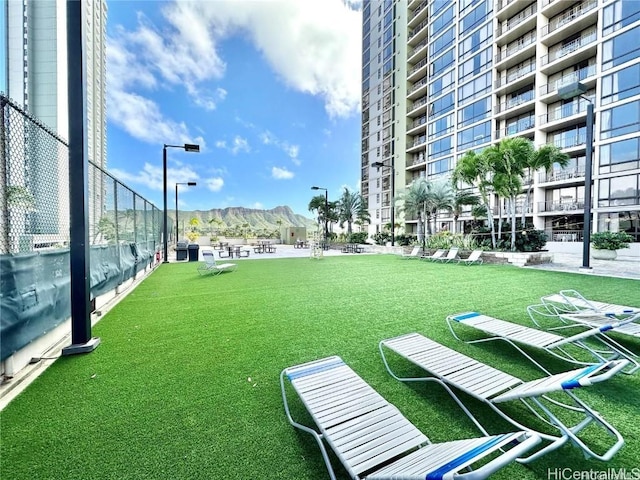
604	254
520	259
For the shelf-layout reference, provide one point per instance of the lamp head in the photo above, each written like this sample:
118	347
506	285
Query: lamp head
377	164
191	184
191	147
572	90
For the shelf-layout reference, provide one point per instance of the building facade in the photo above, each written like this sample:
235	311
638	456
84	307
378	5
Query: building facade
36	78
481	71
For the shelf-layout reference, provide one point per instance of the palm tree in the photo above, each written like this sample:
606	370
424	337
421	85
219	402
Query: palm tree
318	205
348	207
440	197
544	157
476	169
414	203
460	199
362	215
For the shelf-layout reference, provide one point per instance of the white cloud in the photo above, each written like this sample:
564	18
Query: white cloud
257	206
214	184
281	173
239	144
313	46
151	176
292	151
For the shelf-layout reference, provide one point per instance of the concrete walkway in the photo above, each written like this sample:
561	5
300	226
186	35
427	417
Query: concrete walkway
622	267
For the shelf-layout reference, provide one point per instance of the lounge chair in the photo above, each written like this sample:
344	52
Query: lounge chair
436	256
585	319
474	257
210	266
571	301
588	345
494	387
451	256
413	254
373	440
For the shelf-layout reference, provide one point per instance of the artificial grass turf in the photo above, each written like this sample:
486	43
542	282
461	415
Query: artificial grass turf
185	384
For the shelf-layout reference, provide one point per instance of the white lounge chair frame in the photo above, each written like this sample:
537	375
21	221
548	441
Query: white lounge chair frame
571	301
210	266
452	256
473	258
371	437
437	255
552	343
413	254
494	387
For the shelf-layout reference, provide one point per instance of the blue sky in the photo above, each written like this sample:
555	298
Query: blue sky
269	89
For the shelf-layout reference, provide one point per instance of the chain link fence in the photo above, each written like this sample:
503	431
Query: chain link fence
124	229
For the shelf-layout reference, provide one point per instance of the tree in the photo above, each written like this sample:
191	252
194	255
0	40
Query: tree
318	206
460	199
362	215
476	170
348	207
414	203
544	157
440	197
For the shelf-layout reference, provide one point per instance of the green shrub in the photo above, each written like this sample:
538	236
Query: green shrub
381	238
530	240
610	240
358	237
403	240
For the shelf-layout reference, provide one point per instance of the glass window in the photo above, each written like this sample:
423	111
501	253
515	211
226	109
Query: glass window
620	156
443	21
443	41
474	112
620	14
622	84
388	34
475	65
437	6
621	49
476	16
620	120
475	88
474	136
440	147
442	84
442	62
476	41
442	105
440	166
441	126
619	191
620	222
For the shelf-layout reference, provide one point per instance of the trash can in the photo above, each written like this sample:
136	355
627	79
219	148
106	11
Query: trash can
194	248
181	251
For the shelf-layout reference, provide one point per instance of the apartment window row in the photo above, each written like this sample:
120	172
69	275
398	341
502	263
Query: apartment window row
441	22
476	135
618	191
441	147
475	88
443	41
622	84
476	16
619	14
442	84
620	156
475	65
474	112
476	41
620	120
621	49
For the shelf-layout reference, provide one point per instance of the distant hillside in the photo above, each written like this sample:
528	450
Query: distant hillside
258	220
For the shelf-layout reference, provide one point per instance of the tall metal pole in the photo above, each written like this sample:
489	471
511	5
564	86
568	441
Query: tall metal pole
326	215
393	211
177	229
165	244
81	341
586	234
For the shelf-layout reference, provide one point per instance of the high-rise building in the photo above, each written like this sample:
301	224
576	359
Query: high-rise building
476	72
36	78
384	32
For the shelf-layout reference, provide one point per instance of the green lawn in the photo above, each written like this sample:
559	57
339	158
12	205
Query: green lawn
185	384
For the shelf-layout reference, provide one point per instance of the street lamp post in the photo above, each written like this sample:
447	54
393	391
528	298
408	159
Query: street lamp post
187	147
566	92
326	212
190	184
393	191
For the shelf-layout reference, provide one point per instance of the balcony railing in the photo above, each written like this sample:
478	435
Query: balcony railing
519	126
419	27
419	8
567	79
564	235
419	121
516	46
568	48
558	175
418	66
571	206
515	101
517	20
516	74
418	46
564	111
569	141
417	104
419	84
568	16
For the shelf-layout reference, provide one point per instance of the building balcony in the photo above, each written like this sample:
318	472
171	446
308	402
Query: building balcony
563	112
418	33
516	52
418	70
568	175
579	76
508	8
577	18
517	25
514	102
563	56
570	205
518	128
417	50
418	14
514	75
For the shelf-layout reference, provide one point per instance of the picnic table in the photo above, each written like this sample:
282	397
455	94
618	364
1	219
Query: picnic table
264	247
352	248
301	244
